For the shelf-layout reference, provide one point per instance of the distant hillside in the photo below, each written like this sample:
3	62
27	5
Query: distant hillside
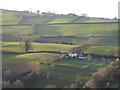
8	17
106	33
24	17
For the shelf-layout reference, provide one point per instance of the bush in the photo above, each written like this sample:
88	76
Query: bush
106	77
50	86
15	84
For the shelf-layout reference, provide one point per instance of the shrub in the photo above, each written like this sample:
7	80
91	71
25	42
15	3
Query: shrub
50	86
15	84
106	77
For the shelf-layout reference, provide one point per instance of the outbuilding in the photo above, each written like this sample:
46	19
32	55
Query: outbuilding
82	58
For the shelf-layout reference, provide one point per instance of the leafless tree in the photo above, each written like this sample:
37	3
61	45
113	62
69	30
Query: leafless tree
25	45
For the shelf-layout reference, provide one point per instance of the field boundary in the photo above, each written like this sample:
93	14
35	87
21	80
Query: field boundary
61	23
56	52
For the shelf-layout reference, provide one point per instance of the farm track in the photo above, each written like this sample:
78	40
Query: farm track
62	23
71	67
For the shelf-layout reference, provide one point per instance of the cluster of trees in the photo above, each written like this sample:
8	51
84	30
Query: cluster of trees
15	84
87	44
22	80
37	11
107	77
47	12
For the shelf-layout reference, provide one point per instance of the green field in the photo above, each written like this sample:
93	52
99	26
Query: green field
78	63
67	74
16	33
99	50
105	33
78	30
35	20
26	59
16	30
52	39
15	47
103	50
8	17
24	13
62	19
90	19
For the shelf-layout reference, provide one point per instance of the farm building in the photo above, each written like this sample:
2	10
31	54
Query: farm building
73	54
76	55
82	58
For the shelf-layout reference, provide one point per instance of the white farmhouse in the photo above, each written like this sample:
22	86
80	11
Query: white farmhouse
73	54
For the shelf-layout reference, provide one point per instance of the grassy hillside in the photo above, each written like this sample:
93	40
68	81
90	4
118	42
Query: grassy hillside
78	30
62	19
24	13
34	58
14	47
16	33
103	50
91	19
53	38
106	33
8	17
100	20
16	30
78	63
99	50
65	76
24	17
35	19
107	40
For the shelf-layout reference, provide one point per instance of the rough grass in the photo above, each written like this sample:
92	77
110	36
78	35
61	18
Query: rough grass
68	75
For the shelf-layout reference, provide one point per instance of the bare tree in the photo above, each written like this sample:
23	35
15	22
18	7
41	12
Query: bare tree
89	57
106	77
38	11
79	49
93	42
87	44
25	45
